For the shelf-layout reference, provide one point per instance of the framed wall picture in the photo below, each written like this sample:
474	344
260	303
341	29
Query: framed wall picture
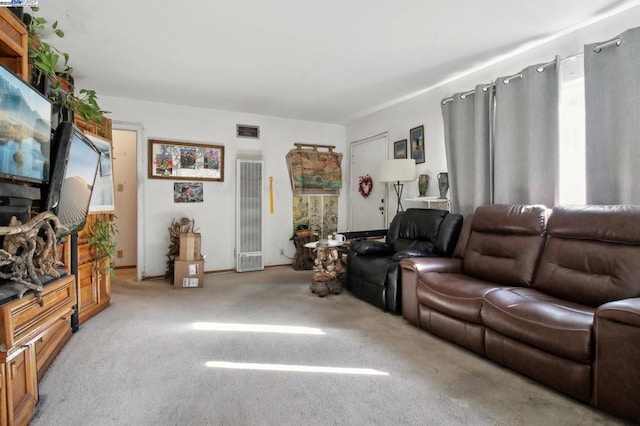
400	149
416	137
187	192
103	196
185	161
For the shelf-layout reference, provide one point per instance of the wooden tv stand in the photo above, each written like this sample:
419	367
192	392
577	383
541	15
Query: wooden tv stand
32	329
32	332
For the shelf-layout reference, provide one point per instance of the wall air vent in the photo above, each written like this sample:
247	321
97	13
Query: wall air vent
247	131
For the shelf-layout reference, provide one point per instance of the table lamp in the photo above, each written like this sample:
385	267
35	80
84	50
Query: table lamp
399	170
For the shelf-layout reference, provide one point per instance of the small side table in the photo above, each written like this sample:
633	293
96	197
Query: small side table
303	258
327	267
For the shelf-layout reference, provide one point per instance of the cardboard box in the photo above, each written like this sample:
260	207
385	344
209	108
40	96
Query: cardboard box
188	273
189	246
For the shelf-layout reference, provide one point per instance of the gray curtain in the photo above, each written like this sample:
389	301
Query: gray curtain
612	101
525	143
467	143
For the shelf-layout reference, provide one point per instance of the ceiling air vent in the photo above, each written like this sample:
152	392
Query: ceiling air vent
246	131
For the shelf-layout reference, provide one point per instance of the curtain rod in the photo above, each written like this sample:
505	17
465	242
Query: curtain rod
470	92
540	68
543	66
597	49
315	147
617	41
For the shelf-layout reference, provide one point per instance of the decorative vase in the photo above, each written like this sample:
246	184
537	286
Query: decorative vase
443	184
423	184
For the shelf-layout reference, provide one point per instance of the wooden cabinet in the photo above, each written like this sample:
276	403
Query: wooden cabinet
25	319
102	129
33	331
14	44
94	284
21	384
49	345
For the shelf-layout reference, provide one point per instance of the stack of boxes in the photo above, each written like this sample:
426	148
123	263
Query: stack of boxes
188	269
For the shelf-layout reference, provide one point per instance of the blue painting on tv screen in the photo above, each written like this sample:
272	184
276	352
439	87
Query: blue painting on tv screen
25	130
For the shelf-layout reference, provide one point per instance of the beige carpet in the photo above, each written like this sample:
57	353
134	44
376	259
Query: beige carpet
143	361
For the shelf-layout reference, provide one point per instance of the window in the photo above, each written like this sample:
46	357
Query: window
572	175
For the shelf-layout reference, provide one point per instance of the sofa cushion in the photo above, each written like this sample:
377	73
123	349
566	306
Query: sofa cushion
456	295
374	271
545	322
592	254
415	229
405	254
448	234
371	248
505	243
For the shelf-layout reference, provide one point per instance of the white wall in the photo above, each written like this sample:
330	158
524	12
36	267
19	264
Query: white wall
215	217
425	108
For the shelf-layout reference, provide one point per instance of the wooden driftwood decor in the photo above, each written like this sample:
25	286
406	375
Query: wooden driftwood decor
177	227
29	251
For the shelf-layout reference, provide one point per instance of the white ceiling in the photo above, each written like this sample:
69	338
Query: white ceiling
324	60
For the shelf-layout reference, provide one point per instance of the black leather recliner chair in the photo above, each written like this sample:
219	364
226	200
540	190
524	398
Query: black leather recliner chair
373	267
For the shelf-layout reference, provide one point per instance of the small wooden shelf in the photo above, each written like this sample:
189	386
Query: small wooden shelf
14	44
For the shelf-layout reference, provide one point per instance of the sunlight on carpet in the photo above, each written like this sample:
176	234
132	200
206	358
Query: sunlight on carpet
256	328
294	368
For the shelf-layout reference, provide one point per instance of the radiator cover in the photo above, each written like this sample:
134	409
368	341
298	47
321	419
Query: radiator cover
249	256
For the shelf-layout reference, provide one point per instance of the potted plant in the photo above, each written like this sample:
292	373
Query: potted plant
48	70
43	56
100	241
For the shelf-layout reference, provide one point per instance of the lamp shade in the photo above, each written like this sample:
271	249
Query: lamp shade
397	170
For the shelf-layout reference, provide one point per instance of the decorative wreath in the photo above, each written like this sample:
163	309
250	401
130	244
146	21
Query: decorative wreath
365	185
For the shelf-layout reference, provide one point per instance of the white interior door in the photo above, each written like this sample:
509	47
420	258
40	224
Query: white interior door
368	213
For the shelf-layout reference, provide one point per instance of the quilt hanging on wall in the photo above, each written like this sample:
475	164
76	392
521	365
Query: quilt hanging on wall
316	212
314	172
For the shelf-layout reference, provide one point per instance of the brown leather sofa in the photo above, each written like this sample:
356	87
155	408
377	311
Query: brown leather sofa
552	294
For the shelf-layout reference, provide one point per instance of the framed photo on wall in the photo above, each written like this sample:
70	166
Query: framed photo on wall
185	161
416	136
103	196
400	149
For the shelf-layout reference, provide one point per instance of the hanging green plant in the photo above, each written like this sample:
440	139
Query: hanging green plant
44	56
46	61
101	235
85	104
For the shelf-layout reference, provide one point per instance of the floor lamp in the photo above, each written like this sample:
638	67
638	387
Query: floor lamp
400	170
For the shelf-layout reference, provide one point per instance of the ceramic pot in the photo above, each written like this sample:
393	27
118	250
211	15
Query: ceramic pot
443	184
423	184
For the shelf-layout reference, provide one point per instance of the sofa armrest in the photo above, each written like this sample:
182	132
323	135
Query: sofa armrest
617	351
409	253
411	269
371	248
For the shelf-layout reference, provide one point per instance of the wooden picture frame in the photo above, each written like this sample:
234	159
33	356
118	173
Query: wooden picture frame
416	138
103	195
400	149
185	161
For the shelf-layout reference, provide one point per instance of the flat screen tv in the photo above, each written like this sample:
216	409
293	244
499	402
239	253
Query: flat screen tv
25	130
74	165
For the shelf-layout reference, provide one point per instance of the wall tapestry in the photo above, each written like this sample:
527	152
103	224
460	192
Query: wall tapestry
316	212
314	172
